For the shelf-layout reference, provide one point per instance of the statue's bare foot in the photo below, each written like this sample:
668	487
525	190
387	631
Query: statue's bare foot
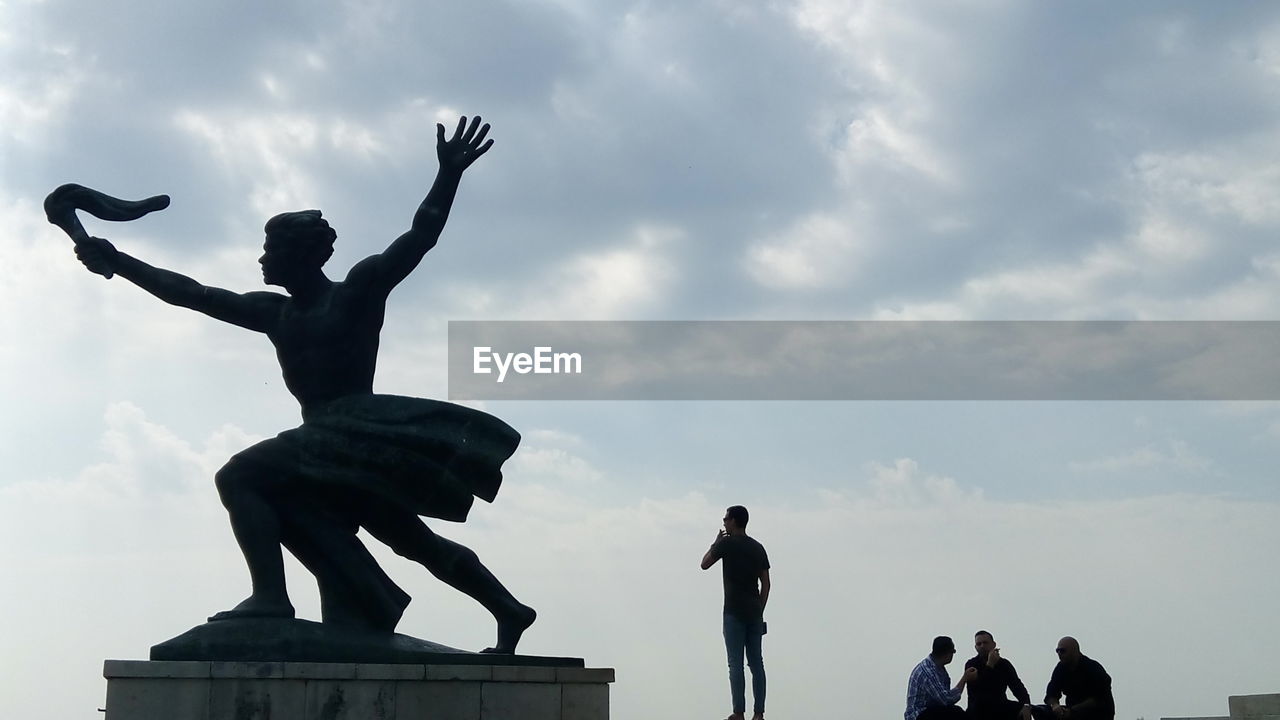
510	627
257	607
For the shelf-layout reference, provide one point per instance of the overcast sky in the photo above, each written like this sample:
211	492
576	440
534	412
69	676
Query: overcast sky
789	160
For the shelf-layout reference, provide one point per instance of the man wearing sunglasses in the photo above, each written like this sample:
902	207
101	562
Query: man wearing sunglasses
1083	681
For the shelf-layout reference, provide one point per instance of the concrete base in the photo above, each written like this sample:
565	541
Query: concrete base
1247	707
1254	707
143	690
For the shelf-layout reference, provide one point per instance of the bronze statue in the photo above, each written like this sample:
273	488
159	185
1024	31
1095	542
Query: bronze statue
358	459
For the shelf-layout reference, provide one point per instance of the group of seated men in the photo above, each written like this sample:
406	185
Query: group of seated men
1079	689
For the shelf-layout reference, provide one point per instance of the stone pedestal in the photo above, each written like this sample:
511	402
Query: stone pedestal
175	690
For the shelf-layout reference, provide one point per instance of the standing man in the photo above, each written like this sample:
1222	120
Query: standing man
746	591
987	692
929	692
1085	683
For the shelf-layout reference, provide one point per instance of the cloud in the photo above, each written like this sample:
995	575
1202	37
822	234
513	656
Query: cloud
142	459
1174	455
902	483
545	456
818	252
629	280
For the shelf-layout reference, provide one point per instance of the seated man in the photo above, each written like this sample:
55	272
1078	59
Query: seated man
988	698
929	695
1085	683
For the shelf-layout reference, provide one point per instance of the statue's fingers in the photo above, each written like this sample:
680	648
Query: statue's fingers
457	132
471	130
482	150
439	133
484	130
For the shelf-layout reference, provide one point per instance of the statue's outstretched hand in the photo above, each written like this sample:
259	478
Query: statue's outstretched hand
468	143
97	255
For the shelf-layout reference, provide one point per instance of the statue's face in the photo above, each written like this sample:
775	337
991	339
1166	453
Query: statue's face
285	258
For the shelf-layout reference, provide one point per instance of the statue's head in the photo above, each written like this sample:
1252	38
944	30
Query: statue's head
296	242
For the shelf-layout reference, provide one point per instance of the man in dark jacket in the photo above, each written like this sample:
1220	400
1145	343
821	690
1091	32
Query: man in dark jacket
1083	681
988	698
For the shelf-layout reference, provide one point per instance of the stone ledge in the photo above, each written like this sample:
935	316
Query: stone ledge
174	690
155	669
459	672
584	675
161	669
515	674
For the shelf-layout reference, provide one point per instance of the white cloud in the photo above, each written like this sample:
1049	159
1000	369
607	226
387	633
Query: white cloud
1175	455
35	100
540	463
263	150
818	251
629	280
143	458
903	483
1235	180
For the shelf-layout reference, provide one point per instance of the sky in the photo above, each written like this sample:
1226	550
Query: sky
711	160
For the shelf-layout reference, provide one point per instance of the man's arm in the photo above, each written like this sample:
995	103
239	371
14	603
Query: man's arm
764	588
713	553
254	311
937	694
1053	691
1099	693
456	154
1016	686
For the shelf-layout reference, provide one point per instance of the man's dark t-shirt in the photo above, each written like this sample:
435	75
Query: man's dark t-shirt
742	559
1086	681
988	690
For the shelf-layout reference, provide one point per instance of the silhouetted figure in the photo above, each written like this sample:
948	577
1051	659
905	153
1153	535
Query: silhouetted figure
988	692
929	692
745	571
1083	681
358	459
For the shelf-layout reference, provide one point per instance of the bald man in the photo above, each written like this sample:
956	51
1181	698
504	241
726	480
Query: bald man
1083	681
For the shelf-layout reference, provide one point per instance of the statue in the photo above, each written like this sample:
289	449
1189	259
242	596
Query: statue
358	459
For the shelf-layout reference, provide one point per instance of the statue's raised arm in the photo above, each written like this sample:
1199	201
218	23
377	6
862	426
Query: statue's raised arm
254	311
456	154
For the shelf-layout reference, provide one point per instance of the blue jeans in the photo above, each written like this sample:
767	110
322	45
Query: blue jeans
740	637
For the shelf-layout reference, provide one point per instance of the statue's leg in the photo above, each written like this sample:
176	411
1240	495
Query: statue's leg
256	525
454	564
354	590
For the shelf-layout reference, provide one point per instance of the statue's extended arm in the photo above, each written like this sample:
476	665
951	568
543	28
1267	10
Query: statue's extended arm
403	255
255	311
